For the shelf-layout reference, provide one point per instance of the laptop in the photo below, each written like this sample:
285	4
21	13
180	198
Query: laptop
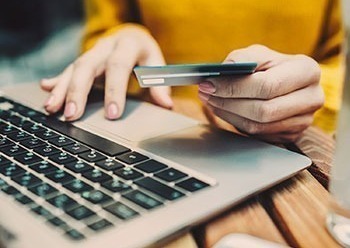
136	182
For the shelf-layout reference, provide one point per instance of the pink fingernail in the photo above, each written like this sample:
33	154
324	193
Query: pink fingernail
70	109
112	111
49	100
207	87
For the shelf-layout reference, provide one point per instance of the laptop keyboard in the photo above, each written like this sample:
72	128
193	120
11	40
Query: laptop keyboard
76	181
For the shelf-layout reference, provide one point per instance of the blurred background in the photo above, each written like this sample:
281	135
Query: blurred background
38	38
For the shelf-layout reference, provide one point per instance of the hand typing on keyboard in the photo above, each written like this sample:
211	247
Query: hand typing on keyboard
115	56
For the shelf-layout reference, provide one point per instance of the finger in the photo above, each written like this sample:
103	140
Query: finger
286	75
58	93
262	55
264	111
293	124
86	68
161	96
119	66
48	84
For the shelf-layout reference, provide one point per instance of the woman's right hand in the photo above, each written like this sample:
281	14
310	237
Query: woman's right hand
115	55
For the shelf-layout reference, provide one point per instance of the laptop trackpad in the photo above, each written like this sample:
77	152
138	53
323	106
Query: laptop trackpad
140	121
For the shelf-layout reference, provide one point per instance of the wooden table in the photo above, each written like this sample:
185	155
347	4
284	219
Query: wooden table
291	213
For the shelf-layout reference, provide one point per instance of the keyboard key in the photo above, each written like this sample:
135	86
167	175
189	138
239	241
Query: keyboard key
7	129
27	180
42	211
43	167
2	183
100	225
192	184
142	199
43	190
61	141
34	128
15	119
57	222
63	202
96	196
110	164
131	157
76	148
27	111
37	116
4	160
23	199
120	210
151	166
32	143
78	186
62	158
60	176
5	142
128	174
11	169
47	134
159	188
46	150
75	235
79	167
80	213
14	150
28	158
92	156
115	186
10	190
97	176
170	175
18	135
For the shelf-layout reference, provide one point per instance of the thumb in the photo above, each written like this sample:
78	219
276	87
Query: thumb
262	55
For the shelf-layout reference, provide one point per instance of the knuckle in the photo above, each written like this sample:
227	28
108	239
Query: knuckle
251	127
117	64
232	55
312	66
110	92
267	86
81	63
219	103
265	112
258	47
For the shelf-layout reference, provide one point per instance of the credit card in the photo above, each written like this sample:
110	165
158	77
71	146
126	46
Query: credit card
186	74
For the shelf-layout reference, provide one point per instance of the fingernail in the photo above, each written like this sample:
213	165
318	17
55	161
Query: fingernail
207	87
203	97
112	111
49	101
70	109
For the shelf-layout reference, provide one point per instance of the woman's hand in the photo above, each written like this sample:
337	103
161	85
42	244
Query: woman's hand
276	103
115	55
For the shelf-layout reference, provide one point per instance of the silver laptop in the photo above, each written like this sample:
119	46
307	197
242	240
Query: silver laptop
136	182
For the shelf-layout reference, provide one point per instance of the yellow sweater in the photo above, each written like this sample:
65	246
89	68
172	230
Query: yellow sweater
192	31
